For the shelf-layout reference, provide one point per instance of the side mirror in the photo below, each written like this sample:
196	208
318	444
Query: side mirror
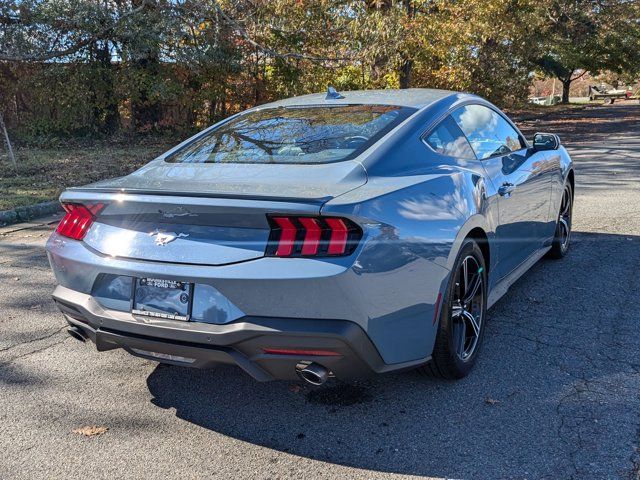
546	141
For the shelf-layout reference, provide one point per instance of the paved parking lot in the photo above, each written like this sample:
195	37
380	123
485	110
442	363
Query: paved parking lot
555	393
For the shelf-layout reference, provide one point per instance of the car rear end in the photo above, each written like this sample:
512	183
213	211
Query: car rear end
224	283
199	261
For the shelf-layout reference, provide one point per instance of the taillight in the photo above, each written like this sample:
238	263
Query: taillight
78	220
312	236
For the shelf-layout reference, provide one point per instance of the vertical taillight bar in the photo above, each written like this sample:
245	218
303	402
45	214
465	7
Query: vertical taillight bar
294	236
76	223
288	232
339	233
313	232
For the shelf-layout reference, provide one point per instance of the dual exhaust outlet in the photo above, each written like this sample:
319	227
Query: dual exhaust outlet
76	333
312	373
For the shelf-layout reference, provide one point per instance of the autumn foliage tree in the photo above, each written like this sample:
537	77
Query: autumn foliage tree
107	66
583	36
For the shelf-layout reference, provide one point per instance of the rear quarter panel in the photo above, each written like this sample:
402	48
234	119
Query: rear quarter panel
416	208
414	226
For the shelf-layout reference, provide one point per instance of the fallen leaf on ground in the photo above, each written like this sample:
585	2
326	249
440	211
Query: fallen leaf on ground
295	388
491	401
91	431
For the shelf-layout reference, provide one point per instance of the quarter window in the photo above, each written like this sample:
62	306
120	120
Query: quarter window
488	133
447	139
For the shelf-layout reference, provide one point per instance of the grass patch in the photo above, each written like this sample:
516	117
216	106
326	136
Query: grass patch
43	173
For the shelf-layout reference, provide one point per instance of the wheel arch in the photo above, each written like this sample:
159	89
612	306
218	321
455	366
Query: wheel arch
571	178
481	238
478	227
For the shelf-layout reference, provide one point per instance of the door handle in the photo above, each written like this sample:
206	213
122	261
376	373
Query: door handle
506	189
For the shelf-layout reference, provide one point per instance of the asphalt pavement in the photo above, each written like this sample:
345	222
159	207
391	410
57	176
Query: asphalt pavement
554	395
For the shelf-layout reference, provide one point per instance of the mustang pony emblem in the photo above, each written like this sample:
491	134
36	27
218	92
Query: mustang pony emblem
162	238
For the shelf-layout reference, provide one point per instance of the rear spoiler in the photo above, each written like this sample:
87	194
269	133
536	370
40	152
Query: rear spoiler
146	195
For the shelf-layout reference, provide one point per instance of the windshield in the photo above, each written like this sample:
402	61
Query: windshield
318	134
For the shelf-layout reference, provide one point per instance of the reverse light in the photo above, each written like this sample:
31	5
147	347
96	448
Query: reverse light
79	218
294	236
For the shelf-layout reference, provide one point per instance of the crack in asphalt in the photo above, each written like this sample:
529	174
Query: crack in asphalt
579	410
33	340
582	392
33	352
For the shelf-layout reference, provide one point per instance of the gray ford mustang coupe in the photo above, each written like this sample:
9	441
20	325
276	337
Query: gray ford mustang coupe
323	235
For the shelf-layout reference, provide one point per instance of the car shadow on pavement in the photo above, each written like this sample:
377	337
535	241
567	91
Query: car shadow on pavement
556	384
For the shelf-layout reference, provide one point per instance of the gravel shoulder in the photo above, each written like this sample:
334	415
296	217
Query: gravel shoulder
555	393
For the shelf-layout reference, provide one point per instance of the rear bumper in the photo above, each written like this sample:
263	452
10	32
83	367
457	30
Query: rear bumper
202	345
386	290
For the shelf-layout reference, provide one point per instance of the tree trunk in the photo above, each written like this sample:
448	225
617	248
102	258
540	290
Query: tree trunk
213	107
107	117
12	157
407	62
566	85
257	83
146	109
405	73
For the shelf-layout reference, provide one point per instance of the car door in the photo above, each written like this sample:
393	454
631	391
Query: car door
520	184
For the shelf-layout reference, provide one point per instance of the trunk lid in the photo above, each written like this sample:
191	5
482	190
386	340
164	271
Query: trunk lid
205	214
316	183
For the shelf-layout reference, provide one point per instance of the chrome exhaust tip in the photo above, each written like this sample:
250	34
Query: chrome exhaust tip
313	373
76	333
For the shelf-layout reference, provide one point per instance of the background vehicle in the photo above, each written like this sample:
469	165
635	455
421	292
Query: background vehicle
607	94
342	235
545	100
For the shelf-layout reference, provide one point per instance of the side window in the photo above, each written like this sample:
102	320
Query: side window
448	139
488	133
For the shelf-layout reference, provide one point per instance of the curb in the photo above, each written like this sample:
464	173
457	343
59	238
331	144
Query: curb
22	214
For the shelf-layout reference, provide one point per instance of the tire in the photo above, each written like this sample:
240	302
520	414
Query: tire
562	237
456	350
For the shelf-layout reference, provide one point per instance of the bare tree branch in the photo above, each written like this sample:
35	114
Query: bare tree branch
269	51
579	76
41	57
232	22
7	20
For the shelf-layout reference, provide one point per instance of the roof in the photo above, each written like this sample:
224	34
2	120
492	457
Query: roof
410	97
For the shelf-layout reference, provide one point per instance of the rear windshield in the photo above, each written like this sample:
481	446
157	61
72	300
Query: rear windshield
320	134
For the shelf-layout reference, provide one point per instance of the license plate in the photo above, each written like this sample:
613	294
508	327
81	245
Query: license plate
160	298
